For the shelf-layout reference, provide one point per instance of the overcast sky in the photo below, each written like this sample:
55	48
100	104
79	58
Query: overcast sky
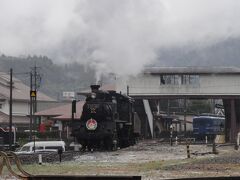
118	36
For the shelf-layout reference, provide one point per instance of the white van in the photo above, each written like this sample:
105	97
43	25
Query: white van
42	146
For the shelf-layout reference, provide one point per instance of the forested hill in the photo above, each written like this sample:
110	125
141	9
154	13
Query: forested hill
56	78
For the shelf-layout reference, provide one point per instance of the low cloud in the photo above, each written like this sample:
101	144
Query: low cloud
112	35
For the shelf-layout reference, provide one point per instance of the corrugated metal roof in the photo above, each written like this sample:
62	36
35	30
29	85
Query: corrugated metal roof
192	70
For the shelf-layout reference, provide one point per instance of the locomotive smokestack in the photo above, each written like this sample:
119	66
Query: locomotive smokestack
95	87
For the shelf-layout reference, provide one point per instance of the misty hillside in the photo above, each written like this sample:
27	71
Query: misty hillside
55	78
225	53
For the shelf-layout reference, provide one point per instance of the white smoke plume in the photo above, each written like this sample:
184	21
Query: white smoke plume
112	35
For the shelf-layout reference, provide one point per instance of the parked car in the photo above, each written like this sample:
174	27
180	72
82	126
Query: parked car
42	146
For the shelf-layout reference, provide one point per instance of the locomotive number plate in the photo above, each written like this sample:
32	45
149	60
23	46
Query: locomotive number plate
91	124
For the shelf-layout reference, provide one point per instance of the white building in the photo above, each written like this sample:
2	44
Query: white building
157	83
183	82
21	101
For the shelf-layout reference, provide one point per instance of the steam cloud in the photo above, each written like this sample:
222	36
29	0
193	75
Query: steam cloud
112	35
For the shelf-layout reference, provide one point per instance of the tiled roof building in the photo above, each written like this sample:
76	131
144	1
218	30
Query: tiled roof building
21	100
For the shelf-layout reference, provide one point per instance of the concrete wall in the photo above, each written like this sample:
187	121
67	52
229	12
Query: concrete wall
5	107
147	84
18	108
21	108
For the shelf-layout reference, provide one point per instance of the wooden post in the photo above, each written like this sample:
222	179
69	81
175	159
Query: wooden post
188	151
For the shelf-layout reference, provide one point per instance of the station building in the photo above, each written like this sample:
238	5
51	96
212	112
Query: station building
156	84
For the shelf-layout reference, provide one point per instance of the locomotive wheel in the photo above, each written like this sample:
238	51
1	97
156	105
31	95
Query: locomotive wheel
102	146
90	147
125	143
108	144
83	143
115	142
115	145
83	148
132	141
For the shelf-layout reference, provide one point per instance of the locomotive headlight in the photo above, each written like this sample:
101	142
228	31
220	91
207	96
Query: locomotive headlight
93	95
91	124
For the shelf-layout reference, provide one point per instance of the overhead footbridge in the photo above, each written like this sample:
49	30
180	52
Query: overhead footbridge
189	83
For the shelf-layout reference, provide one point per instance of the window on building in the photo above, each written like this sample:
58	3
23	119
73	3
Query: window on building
170	79
190	79
185	79
179	79
0	106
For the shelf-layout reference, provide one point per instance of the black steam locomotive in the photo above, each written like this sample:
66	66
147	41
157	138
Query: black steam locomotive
107	121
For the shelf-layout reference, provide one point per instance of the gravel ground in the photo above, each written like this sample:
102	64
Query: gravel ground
144	151
150	159
48	157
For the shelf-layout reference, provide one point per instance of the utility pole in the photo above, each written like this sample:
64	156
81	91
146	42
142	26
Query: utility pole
35	88
185	114
35	103
31	105
34	77
10	111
